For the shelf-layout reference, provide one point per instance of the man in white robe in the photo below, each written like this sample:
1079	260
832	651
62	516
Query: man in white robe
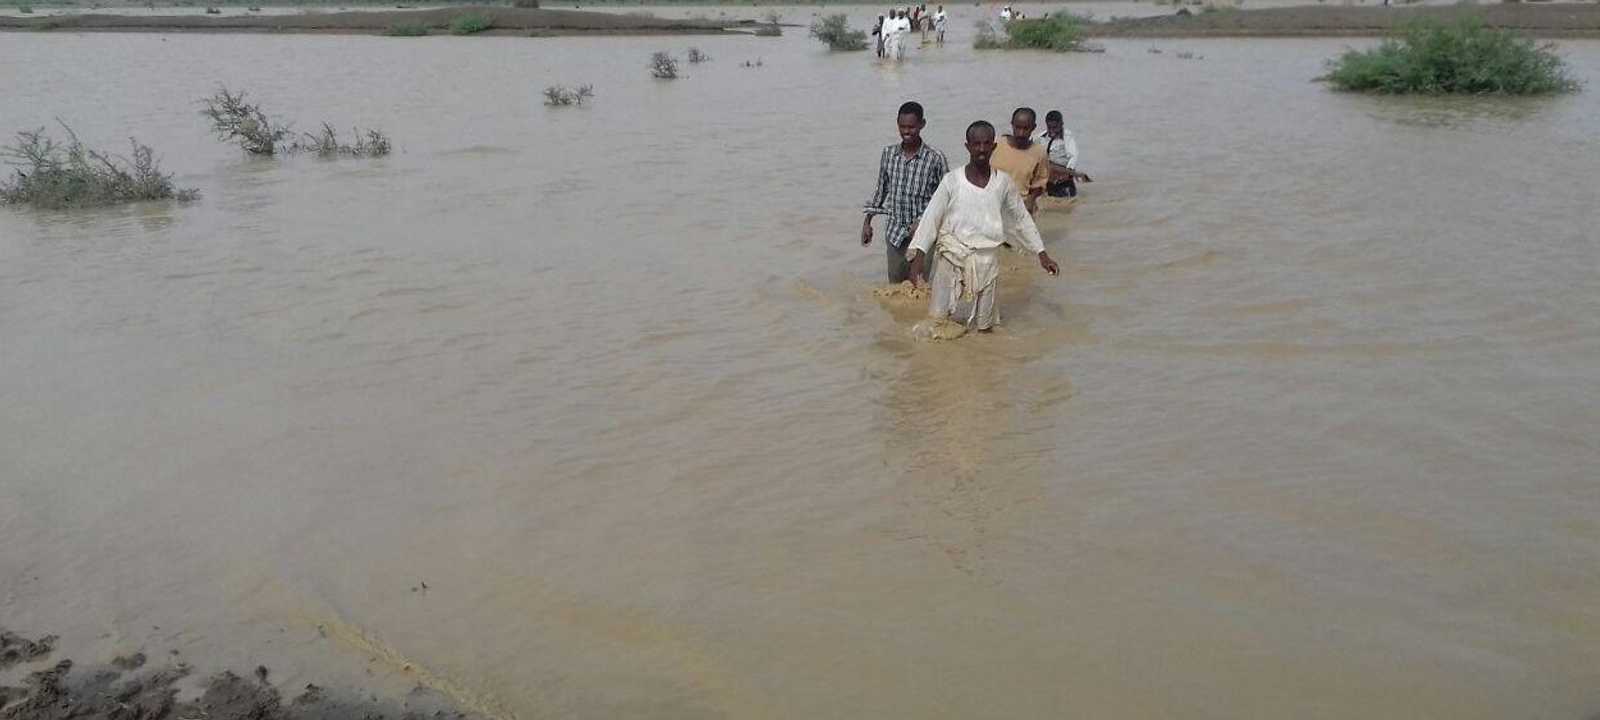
972	213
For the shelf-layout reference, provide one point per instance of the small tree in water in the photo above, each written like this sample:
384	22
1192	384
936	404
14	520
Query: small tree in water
663	66
695	56
835	31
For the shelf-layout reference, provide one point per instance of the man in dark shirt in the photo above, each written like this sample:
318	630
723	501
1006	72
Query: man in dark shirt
908	173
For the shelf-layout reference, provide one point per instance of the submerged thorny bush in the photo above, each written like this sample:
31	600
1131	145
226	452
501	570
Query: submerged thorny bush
695	56
234	119
834	30
54	175
561	95
367	143
663	66
1465	58
1060	32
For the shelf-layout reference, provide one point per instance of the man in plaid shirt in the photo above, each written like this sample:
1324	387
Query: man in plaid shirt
908	173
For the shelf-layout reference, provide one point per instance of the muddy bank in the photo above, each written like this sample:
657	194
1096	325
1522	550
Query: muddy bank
507	21
136	686
1541	20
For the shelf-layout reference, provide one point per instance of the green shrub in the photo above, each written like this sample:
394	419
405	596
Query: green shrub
25	9
1060	32
52	175
834	30
695	56
470	23
1465	58
407	29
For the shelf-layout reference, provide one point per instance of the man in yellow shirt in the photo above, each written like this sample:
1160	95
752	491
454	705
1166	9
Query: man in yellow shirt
1023	159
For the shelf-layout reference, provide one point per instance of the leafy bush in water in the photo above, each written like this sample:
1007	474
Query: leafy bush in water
51	175
835	31
663	66
1468	58
769	31
470	23
695	56
406	30
1060	32
25	9
233	118
561	96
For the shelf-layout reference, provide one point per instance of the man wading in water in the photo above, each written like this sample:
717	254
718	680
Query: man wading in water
1023	159
908	173
974	210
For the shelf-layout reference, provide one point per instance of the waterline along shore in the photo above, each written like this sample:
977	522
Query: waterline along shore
1542	20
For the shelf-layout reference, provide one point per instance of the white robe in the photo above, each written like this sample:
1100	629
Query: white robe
961	231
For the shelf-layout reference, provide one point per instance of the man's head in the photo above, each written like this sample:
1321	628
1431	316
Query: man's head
1023	121
910	122
980	143
1052	123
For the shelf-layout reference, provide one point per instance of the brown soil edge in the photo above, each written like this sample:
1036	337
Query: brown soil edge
136	686
507	21
1560	20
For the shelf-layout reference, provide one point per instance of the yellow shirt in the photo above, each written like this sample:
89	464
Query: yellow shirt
1029	169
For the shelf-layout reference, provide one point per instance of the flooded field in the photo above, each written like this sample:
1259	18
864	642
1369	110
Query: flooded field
1306	428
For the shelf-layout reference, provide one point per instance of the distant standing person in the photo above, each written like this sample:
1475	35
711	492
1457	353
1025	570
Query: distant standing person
972	213
908	174
1023	159
894	36
939	20
877	32
1061	148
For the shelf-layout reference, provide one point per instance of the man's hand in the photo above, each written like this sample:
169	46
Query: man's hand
1049	265
919	268
1082	176
866	231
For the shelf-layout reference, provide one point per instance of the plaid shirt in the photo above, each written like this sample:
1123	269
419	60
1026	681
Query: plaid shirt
904	188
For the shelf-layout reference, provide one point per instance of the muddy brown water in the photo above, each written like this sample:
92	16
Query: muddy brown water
1307	428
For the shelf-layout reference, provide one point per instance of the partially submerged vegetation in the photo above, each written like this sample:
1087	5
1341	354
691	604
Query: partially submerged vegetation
835	32
663	66
561	95
1060	32
48	174
1465	58
695	56
235	119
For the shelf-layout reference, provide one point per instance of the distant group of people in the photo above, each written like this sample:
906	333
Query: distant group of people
891	30
945	227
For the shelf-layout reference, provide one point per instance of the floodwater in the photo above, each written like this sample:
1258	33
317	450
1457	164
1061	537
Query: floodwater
1307	427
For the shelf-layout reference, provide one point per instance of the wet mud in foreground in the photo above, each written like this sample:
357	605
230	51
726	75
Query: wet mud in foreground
1545	20
506	21
135	686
